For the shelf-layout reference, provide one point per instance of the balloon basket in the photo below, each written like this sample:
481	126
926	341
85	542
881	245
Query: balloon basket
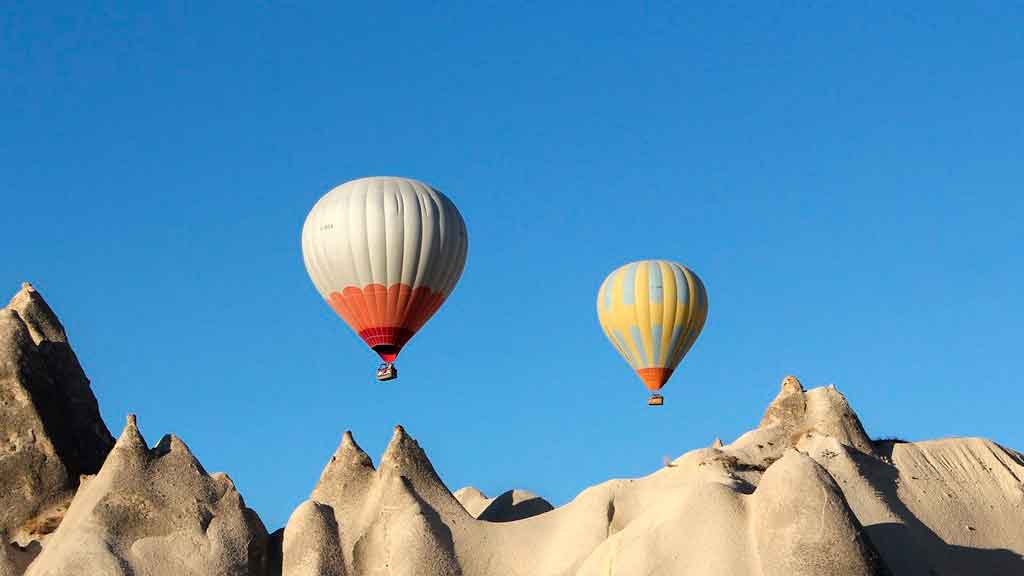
655	400
387	372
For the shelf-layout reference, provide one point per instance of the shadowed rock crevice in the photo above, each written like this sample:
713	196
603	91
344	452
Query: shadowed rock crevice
514	505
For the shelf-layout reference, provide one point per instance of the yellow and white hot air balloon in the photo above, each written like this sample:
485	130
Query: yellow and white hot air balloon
652	311
384	252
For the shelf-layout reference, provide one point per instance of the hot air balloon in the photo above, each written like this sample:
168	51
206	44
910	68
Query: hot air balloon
652	311
384	253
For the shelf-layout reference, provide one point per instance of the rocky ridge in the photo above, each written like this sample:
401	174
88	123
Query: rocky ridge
806	492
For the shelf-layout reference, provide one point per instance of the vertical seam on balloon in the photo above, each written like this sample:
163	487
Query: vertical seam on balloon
629	284
690	310
629	279
656	334
687	303
424	224
394	307
419	278
320	254
330	209
668	311
374	312
384	313
615	343
438	282
410	319
655	296
627	351
446	255
457	256
353	266
637	337
443	256
391	296
364	312
413	223
701	312
642	309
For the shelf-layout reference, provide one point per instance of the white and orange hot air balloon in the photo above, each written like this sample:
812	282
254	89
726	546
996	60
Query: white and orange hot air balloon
384	252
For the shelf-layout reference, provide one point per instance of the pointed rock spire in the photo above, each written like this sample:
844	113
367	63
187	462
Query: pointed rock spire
787	409
347	476
130	444
351	454
828	413
404	457
139	498
37	314
51	432
38	366
403	451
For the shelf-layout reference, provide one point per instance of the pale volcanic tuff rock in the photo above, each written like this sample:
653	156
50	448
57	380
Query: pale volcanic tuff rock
695	517
155	512
384	521
50	427
795	413
472	499
511	505
796	523
806	492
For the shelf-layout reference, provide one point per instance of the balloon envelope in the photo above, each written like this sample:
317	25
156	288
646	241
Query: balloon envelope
384	252
652	312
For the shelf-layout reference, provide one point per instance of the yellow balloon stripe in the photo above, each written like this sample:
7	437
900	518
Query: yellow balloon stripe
642	312
668	311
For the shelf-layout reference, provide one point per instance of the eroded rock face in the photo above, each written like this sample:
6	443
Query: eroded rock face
472	499
156	512
697	517
385	521
795	414
50	427
311	543
803	525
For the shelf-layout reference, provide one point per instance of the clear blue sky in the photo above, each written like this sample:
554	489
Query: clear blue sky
847	182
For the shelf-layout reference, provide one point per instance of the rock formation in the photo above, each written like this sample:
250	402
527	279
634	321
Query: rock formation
509	506
154	511
50	430
805	493
709	513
